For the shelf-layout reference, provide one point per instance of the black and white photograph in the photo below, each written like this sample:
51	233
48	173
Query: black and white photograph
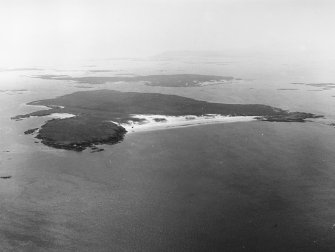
167	125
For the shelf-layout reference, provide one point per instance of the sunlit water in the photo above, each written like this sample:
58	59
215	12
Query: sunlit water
244	186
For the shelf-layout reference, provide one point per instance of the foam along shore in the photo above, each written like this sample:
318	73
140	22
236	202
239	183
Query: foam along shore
159	122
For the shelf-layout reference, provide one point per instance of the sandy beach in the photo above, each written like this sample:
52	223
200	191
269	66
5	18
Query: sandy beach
61	115
56	116
161	122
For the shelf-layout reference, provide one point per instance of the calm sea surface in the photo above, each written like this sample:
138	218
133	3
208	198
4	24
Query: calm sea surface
254	186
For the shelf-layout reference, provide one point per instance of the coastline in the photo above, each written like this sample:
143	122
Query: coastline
88	118
163	122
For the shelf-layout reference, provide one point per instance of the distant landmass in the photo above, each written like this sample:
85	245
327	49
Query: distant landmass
190	54
322	86
173	80
100	113
210	54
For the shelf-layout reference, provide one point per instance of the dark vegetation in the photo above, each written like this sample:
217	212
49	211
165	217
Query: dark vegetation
30	131
95	110
78	133
289	117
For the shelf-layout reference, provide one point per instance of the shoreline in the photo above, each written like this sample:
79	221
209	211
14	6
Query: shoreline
163	122
87	118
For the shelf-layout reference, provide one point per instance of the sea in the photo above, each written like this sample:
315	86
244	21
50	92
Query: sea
243	186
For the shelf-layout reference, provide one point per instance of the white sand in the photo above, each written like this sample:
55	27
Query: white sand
55	116
150	124
61	115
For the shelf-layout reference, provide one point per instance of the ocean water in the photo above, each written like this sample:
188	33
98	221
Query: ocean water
245	186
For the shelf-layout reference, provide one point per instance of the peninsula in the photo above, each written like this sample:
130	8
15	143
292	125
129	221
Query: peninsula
98	115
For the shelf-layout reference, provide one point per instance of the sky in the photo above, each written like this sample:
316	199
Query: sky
35	32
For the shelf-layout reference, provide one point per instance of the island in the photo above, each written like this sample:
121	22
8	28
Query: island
172	80
99	115
322	86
